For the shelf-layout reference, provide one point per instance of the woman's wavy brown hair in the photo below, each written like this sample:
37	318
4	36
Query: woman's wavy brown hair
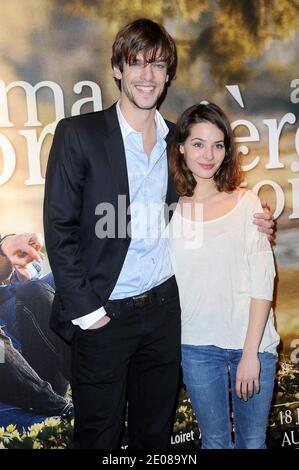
229	175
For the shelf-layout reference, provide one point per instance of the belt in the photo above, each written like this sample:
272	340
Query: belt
146	298
141	300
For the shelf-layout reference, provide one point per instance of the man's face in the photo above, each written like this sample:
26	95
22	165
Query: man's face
142	83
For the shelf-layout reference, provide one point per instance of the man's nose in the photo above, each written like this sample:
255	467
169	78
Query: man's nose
147	72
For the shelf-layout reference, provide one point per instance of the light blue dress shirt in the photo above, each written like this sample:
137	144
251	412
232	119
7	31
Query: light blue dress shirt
147	263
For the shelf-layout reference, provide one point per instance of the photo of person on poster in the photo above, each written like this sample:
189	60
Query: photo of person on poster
116	297
35	368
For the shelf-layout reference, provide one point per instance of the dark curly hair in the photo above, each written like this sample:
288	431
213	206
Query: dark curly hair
229	175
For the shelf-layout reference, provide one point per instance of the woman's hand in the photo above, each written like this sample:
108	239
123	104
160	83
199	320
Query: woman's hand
247	378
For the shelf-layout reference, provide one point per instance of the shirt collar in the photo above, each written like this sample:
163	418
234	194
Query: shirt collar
126	129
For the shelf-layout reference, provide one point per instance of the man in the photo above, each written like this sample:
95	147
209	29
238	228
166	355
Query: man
116	299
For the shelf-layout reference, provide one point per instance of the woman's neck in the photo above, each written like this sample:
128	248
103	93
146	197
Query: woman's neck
204	190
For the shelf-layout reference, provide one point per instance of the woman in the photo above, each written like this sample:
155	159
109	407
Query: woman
225	271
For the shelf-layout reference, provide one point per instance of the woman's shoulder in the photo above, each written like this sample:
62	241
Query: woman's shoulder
247	194
249	206
252	198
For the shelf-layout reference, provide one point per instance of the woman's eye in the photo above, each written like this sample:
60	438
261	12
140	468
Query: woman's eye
219	146
198	145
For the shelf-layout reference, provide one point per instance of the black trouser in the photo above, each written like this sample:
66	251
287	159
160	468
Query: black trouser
135	357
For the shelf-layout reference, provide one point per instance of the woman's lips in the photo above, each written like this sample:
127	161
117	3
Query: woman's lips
207	166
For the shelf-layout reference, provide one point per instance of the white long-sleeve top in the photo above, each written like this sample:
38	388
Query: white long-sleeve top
220	265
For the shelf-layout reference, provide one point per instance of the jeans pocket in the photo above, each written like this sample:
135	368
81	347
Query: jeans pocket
112	311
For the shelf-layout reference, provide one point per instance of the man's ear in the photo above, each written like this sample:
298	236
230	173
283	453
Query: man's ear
167	78
117	73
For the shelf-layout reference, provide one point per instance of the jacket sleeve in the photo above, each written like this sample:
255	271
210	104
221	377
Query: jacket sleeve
65	179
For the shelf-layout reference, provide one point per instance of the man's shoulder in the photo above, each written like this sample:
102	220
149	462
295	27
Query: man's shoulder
171	127
90	120
170	123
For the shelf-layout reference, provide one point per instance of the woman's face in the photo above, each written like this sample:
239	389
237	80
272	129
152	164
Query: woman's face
204	150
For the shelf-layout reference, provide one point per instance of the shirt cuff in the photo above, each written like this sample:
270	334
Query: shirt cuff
88	320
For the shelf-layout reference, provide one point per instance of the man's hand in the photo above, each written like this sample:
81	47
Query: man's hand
20	250
99	323
265	221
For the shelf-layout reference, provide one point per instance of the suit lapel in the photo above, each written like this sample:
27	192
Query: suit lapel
171	194
115	150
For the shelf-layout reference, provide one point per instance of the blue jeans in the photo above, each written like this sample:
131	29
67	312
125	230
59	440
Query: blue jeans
10	414
206	373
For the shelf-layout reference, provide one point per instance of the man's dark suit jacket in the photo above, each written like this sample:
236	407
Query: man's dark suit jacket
86	166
